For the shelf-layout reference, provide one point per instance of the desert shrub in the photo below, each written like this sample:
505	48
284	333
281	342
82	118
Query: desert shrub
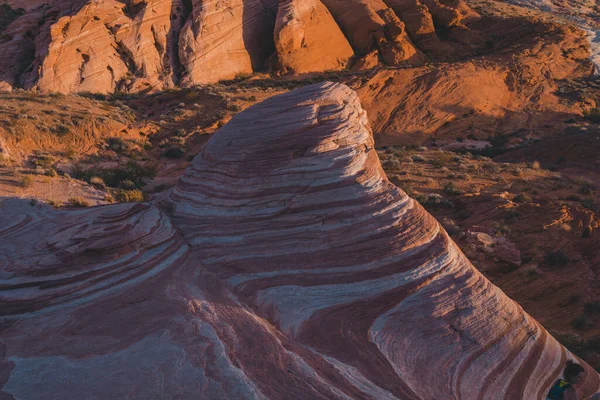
51	173
418	158
392	164
442	160
451	189
556	258
450	226
593	115
118	145
501	227
174	152
580	323
408	188
433	200
97	182
79	201
33	202
127	184
26	181
54	203
130	174
43	160
512	214
60	129
523	198
535	165
589	204
109	198
129	196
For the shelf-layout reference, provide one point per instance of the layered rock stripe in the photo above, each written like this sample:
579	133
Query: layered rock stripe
137	46
283	265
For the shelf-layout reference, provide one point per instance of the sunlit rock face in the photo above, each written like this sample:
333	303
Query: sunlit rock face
146	45
284	265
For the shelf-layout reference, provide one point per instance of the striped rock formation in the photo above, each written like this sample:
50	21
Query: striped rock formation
140	45
284	266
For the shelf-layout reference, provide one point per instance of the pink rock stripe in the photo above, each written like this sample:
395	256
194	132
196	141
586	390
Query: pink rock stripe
284	266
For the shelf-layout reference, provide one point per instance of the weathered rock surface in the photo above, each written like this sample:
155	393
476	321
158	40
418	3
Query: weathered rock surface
484	97
224	39
58	46
285	265
308	39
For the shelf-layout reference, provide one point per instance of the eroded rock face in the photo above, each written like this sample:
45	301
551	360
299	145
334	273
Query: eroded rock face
308	39
288	267
224	39
143	45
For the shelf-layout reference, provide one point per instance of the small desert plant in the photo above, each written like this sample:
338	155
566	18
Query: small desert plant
589	204
51	173
26	181
433	201
127	184
501	228
523	198
418	158
79	201
109	198
118	145
128	196
450	226
54	203
451	189
97	182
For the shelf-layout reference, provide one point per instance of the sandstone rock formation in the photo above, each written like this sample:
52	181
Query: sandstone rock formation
492	95
144	45
224	39
283	265
308	39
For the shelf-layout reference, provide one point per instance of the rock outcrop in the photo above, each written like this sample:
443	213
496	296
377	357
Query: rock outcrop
283	265
307	38
224	39
88	46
